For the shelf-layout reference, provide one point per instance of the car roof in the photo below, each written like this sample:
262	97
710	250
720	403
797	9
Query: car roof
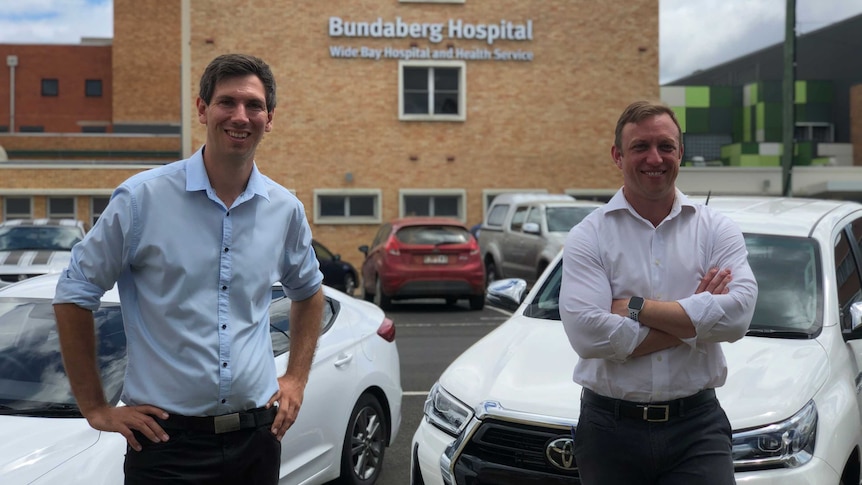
789	216
518	197
43	286
43	222
426	220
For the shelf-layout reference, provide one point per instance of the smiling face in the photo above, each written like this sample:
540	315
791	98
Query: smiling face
236	119
649	156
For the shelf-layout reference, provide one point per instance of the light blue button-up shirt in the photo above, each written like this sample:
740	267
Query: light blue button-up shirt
195	281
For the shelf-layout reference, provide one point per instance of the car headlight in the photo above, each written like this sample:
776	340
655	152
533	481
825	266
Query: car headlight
788	444
445	412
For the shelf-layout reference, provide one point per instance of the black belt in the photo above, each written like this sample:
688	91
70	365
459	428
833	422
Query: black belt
649	411
253	418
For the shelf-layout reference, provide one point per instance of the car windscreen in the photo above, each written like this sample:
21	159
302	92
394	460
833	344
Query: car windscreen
561	219
433	235
788	274
32	376
55	238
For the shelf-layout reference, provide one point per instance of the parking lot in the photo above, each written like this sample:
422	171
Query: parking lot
430	335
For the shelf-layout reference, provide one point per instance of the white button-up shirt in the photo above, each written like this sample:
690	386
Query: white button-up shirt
614	253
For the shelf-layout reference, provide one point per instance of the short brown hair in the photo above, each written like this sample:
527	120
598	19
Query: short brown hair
639	111
237	65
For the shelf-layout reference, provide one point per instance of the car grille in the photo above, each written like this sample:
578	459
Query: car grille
501	445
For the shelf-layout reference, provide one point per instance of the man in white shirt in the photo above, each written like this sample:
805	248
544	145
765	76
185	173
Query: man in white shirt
652	283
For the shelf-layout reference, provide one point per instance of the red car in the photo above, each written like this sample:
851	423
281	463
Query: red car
423	257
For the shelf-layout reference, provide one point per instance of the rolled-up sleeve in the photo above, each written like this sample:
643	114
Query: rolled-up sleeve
97	261
585	302
725	317
301	275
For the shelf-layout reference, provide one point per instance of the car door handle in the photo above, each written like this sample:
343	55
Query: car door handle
343	360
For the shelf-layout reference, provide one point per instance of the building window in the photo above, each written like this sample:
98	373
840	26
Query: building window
31	129
93	87
94	129
432	90
50	87
61	208
346	206
17	208
440	203
819	132
97	207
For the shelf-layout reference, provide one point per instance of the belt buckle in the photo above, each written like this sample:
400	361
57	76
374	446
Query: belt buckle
226	423
664	407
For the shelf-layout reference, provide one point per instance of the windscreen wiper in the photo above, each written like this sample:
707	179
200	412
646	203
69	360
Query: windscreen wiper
772	333
49	410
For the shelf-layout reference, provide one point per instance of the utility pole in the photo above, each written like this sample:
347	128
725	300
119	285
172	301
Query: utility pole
788	121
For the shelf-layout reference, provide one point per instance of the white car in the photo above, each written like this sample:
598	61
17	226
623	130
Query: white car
506	410
31	247
351	410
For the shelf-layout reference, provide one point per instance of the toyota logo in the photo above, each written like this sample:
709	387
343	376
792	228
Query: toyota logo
560	454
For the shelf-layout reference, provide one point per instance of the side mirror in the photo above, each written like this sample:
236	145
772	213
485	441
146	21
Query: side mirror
364	249
507	294
531	228
336	257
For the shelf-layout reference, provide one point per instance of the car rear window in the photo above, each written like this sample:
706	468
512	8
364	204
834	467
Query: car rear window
433	235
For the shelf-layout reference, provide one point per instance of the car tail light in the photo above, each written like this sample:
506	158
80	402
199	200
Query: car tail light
387	330
474	247
393	248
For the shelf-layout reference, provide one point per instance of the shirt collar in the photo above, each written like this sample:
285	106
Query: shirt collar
197	178
619	202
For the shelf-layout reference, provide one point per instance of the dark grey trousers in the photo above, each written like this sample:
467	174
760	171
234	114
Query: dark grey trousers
693	449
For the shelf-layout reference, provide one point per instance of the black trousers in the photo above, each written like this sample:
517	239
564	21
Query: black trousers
691	449
247	457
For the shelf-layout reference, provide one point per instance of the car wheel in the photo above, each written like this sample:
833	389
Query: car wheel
364	443
349	284
380	299
477	302
490	273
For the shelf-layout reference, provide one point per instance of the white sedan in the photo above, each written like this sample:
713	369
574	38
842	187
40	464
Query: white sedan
506	410
351	411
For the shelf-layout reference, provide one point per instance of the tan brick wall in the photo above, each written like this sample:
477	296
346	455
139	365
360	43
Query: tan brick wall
105	147
71	65
147	61
541	124
856	123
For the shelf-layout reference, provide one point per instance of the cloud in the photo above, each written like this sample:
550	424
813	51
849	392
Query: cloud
55	21
699	34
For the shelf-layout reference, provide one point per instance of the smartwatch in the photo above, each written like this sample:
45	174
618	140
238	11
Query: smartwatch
636	304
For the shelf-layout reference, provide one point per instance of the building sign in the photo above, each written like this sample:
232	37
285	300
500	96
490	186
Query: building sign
434	33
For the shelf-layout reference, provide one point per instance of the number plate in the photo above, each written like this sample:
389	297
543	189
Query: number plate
436	259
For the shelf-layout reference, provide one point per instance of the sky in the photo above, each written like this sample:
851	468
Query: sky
693	34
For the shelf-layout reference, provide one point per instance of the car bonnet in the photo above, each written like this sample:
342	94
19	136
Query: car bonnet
770	379
31	447
525	365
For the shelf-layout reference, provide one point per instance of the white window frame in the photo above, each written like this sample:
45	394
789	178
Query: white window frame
62	215
15	215
347	219
460	193
431	64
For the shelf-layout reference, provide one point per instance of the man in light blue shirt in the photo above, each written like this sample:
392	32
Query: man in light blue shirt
194	248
